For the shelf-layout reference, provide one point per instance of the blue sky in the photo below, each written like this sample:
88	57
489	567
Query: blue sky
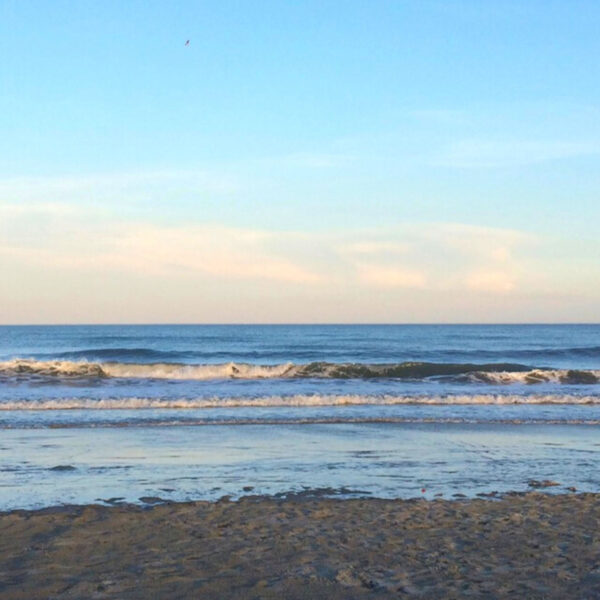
299	161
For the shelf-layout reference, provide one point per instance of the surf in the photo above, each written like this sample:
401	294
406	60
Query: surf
487	373
297	400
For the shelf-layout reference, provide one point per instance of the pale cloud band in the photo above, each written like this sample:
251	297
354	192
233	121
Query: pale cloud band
402	273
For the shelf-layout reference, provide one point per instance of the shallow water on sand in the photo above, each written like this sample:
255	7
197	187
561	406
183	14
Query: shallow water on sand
43	467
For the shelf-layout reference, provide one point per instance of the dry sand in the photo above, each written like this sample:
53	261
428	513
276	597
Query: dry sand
520	547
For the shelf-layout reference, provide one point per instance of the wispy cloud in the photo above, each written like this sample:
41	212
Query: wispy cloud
112	186
444	256
434	256
368	274
473	153
220	252
13	209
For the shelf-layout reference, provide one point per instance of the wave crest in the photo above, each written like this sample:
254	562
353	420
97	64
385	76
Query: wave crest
50	368
494	373
297	400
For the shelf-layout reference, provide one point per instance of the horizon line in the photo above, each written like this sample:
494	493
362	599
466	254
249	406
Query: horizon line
298	324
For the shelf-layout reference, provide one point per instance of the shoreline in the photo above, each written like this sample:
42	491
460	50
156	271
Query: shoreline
522	544
342	494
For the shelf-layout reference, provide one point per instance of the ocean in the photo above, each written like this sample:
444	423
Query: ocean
90	413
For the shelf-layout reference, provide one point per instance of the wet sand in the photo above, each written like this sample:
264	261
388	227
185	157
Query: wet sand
523	546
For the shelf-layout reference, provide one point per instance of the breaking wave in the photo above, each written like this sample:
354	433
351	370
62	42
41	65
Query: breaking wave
299	400
567	376
493	373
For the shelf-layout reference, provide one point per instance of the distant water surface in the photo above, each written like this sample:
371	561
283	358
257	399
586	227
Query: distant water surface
200	411
195	374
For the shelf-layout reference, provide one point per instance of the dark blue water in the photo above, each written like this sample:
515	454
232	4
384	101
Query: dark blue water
561	346
197	374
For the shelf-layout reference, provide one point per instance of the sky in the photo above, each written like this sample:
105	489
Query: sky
299	161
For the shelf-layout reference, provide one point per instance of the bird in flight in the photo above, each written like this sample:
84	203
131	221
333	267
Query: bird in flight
187	43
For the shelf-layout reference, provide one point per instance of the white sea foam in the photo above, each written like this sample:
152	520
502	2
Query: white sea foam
220	371
66	368
536	376
297	401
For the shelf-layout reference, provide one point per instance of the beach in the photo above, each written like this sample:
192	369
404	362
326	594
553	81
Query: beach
299	462
524	545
